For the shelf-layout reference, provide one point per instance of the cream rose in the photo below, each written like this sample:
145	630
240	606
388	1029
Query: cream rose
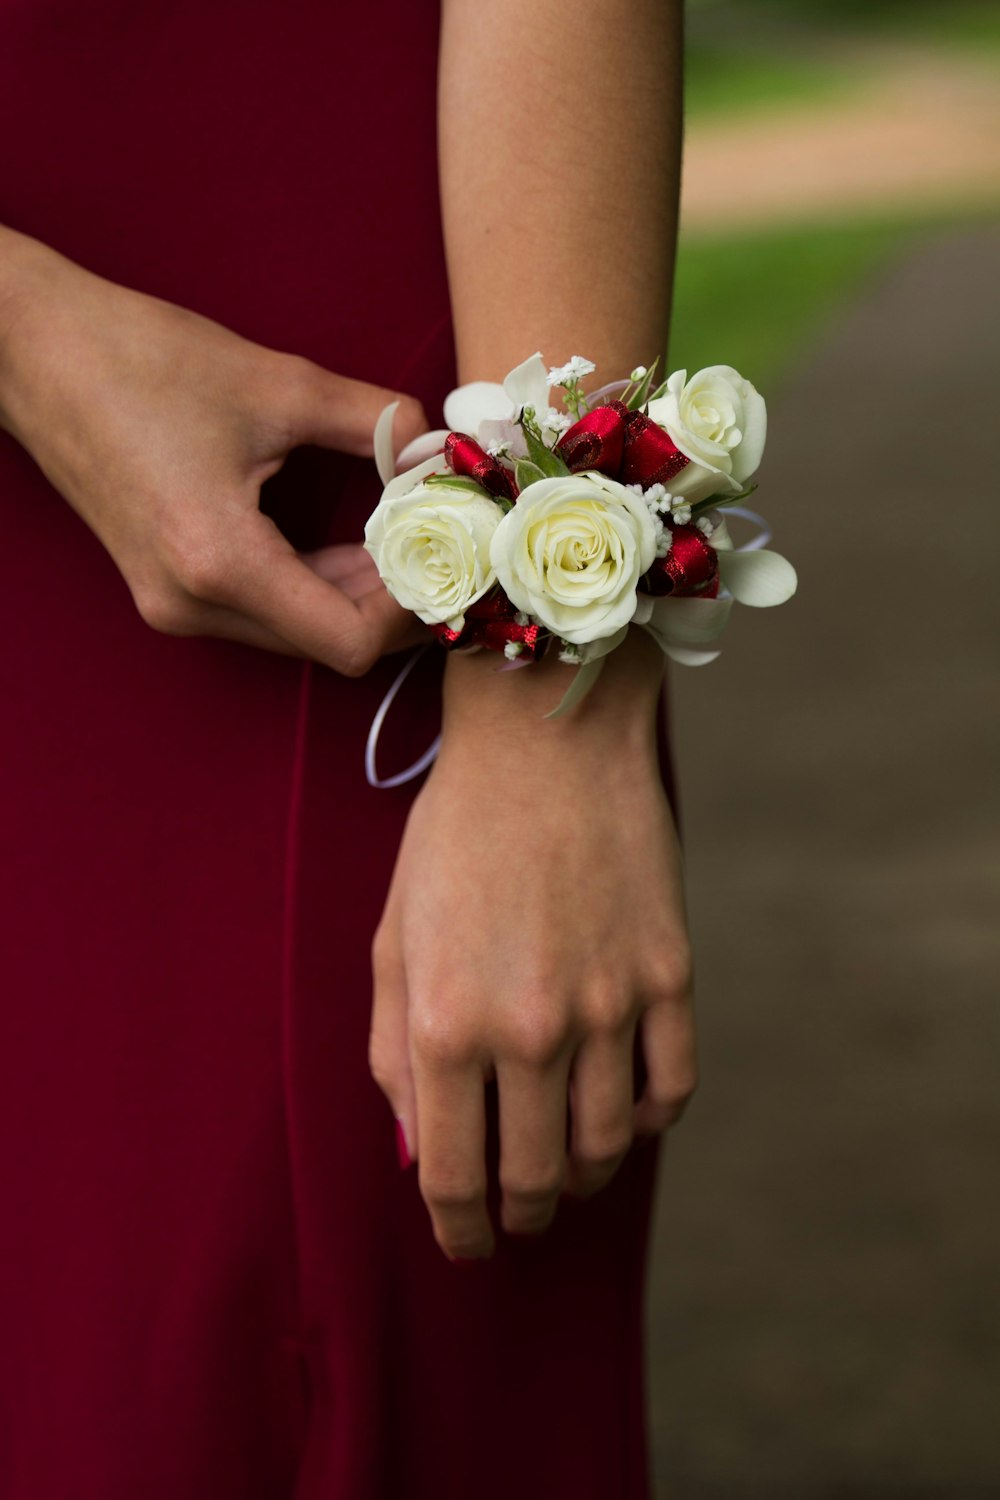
571	552
431	545
719	421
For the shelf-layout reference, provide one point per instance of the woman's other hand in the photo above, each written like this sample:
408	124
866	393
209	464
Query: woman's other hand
159	428
535	920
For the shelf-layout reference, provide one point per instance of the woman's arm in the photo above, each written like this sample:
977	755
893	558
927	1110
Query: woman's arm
536	914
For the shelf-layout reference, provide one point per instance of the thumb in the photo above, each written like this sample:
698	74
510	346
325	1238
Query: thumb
334	411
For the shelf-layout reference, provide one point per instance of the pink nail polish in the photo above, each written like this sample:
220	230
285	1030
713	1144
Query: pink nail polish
401	1146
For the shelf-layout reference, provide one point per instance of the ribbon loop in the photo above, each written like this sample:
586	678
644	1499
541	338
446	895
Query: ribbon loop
465	456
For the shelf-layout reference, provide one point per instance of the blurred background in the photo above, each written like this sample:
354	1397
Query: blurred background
824	1313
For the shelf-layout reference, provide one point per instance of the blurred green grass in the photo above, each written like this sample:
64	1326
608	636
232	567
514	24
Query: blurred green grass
721	81
760	299
798	57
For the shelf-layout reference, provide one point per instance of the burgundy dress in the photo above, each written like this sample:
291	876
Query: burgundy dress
215	1281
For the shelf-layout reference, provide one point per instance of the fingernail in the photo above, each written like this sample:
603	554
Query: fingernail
401	1146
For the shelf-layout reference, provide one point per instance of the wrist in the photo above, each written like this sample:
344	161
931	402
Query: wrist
496	709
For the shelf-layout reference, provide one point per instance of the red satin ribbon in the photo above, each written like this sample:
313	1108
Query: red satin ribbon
597	440
490	622
690	567
650	456
464	456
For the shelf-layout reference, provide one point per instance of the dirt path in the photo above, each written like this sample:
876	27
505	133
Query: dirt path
925	129
824	1317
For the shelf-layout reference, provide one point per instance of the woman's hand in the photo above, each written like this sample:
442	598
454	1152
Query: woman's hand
159	427
535	919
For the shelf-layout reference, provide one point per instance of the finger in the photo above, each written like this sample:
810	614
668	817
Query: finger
532	1142
602	1105
337	412
194	617
388	1043
347	565
669	1048
273	586
393	627
451	1130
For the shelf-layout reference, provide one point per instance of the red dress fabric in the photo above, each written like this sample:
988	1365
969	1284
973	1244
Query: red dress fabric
215	1281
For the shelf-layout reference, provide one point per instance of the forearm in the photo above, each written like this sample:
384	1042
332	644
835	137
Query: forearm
560	178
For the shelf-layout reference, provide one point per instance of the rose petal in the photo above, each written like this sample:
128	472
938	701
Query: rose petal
761	579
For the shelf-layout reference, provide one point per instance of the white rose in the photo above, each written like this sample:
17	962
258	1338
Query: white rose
571	552
719	421
431	545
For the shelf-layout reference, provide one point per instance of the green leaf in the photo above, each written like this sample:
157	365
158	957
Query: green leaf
456	482
525	472
551	464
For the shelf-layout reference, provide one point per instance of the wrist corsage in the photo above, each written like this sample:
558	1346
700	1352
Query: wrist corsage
531	528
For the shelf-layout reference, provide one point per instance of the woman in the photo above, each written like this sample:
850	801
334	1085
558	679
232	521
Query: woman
217	1280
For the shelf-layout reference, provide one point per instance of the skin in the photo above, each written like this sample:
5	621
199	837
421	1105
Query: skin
159	428
559	176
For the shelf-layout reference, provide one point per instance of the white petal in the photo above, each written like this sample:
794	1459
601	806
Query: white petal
594	650
468	405
527	385
384	460
422	447
720	540
759	578
687	657
688	622
408	480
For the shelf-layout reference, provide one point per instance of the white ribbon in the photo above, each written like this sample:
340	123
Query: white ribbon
371	745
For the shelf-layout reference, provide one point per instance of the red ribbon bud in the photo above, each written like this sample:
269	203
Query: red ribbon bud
651	456
690	567
464	456
490	622
597	440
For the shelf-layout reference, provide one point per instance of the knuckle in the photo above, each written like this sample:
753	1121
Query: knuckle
604	1150
667	1108
443	1190
535	1189
535	1034
163	611
607	1010
673	975
383	1064
437	1037
357	658
198	564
